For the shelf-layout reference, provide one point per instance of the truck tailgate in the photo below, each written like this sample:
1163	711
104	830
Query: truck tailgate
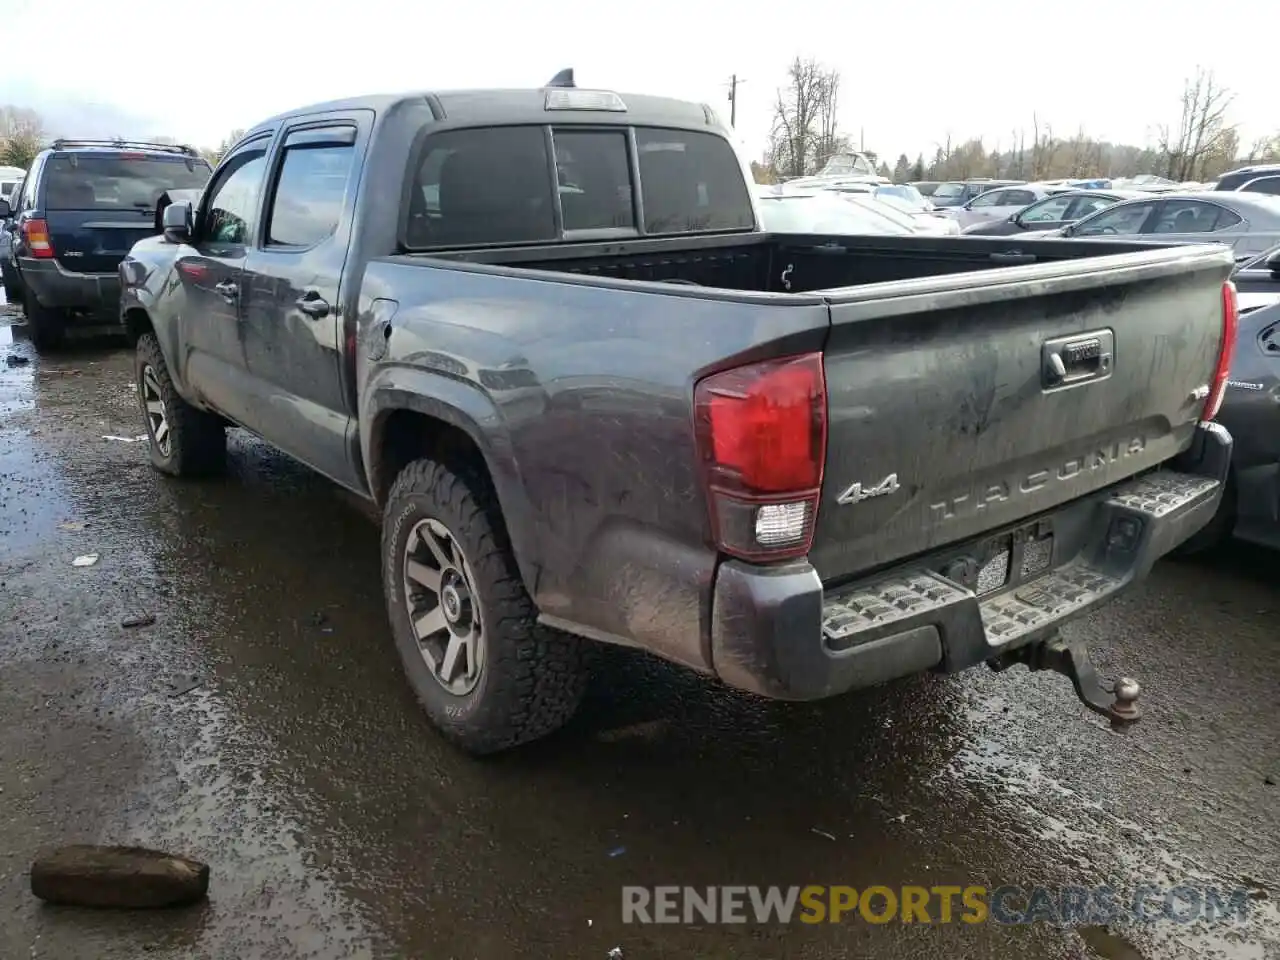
961	404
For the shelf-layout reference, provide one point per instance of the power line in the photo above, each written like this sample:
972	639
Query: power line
733	99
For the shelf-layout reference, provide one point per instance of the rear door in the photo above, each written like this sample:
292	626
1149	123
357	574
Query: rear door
98	205
947	415
292	294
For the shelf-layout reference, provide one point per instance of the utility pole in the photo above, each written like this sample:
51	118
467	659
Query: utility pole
733	99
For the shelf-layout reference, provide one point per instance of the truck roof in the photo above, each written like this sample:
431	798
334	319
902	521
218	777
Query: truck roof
507	106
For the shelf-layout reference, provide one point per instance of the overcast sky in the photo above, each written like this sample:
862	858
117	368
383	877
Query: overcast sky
911	72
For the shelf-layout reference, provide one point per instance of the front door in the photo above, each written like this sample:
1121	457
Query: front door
293	311
210	269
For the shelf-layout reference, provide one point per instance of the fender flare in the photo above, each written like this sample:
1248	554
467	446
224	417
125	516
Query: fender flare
465	407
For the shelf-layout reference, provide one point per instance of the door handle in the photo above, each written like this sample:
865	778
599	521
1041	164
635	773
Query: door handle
228	290
312	304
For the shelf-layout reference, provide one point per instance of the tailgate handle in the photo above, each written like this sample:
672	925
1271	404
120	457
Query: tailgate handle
1066	361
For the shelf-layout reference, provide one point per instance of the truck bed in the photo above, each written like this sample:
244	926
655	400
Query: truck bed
772	263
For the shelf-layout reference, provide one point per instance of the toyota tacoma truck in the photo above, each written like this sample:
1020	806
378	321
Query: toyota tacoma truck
543	332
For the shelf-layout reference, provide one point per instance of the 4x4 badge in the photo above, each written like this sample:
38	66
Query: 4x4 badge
857	492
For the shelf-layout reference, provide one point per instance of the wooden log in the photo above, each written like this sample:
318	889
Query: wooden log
122	877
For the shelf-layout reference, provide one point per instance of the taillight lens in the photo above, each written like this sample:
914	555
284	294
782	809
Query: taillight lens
1230	328
762	438
36	234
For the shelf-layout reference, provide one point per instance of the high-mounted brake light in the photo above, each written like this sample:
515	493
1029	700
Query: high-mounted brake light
566	98
36	235
1230	329
762	440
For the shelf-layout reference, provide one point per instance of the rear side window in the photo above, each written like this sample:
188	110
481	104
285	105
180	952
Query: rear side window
1017	198
309	192
691	182
117	183
483	185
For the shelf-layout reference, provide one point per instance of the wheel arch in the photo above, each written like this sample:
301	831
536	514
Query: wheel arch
401	424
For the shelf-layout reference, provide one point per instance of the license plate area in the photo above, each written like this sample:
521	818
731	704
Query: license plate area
1003	561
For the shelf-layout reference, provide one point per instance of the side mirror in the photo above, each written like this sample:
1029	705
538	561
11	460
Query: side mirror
1273	262
5	210
1015	218
177	222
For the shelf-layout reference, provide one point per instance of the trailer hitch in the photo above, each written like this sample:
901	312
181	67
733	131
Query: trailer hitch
1115	700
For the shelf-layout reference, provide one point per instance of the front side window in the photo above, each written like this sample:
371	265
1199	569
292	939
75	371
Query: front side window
1124	219
232	209
1269	185
309	194
989	199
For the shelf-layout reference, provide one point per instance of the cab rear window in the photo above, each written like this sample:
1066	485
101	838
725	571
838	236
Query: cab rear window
117	183
494	185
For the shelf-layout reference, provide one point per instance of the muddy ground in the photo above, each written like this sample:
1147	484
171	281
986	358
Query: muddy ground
262	724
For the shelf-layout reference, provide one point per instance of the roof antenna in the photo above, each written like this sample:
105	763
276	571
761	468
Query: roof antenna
563	79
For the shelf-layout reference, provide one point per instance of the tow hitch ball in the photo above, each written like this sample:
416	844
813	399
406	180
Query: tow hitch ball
1115	700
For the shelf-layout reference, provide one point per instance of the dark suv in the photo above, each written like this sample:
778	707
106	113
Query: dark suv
81	207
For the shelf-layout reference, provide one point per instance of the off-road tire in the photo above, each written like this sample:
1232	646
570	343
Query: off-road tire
45	325
197	440
533	678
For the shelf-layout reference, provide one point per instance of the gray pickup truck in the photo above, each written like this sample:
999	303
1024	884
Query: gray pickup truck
542	330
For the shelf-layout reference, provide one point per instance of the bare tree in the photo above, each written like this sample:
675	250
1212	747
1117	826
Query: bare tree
215	154
1044	148
21	136
804	119
1203	130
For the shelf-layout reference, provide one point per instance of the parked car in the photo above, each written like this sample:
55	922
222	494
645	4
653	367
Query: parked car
83	204
1247	222
924	218
1250	507
8	192
743	457
1259	178
956	193
999	204
1257	280
1052	212
823	211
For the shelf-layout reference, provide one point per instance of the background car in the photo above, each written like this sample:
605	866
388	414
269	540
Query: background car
1052	212
1260	178
923	215
822	211
998	204
83	204
1258	280
926	187
1248	222
956	193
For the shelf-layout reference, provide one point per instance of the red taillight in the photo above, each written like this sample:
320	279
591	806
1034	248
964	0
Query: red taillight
36	234
1230	327
762	438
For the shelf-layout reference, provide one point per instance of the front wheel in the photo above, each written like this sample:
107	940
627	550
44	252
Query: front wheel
185	441
487	674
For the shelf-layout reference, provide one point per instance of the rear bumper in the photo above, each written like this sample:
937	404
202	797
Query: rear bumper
60	288
775	632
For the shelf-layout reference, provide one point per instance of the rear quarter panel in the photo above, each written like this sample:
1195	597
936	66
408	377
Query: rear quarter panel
580	395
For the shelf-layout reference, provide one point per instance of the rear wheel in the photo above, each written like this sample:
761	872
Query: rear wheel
488	675
45	325
185	442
